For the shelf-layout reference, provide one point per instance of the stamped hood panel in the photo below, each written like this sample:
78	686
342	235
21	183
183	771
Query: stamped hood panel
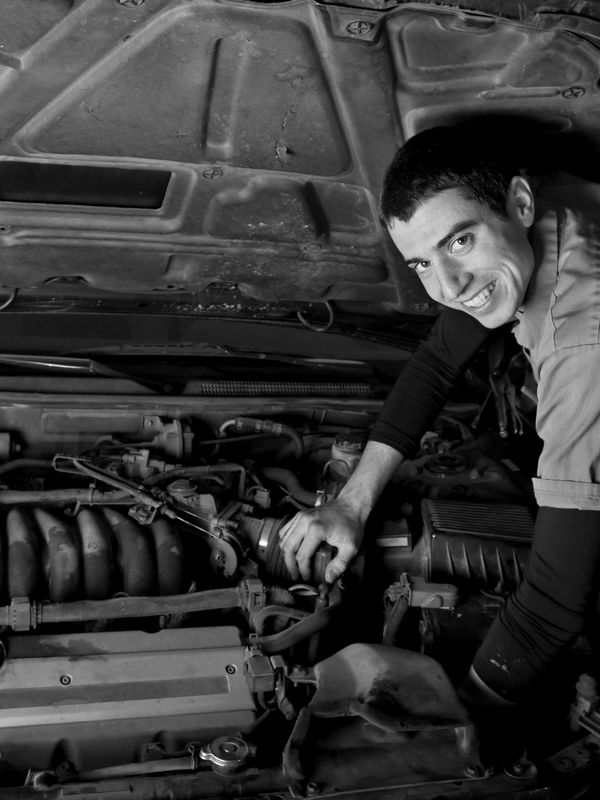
203	142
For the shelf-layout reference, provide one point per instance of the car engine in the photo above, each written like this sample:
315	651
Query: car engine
149	623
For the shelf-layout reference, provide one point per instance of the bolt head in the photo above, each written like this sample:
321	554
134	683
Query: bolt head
359	27
213	173
573	92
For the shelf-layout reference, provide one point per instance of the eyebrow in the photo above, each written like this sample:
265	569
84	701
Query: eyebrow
460	226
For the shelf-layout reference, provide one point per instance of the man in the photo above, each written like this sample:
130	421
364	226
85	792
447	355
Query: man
494	248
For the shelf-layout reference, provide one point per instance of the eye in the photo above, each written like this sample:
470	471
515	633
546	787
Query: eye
461	244
419	266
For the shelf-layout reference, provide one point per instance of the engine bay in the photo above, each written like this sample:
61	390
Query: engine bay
150	628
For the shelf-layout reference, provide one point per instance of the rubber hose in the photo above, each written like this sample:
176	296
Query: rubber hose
287	478
276	642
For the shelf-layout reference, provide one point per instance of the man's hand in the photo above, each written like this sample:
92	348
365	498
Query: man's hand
336	523
341	522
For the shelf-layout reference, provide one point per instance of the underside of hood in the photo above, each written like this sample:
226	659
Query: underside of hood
172	146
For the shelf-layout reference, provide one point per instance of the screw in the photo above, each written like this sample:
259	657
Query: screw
131	3
312	788
231	669
66	680
473	771
522	768
359	27
219	556
212	173
311	247
573	92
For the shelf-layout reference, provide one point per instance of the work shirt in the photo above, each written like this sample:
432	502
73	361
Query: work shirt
558	327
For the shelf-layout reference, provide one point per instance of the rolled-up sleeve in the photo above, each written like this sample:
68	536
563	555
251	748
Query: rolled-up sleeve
568	421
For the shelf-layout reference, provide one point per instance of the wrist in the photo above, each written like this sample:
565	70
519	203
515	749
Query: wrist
354	506
376	467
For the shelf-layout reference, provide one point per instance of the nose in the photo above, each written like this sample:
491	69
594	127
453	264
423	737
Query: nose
453	279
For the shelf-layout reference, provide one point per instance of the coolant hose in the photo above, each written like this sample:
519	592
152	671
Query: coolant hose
276	642
287	479
304	629
261	616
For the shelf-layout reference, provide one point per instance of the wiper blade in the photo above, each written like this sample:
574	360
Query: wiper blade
214	350
74	366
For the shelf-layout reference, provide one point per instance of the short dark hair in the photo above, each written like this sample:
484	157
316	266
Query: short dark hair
445	158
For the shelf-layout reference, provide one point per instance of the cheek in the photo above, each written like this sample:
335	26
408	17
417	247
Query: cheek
429	283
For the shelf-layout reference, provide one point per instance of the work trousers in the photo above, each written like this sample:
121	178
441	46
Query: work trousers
549	609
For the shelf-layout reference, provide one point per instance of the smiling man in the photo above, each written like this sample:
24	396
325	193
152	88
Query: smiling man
494	248
482	262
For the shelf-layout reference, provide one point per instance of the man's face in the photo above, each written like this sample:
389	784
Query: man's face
467	256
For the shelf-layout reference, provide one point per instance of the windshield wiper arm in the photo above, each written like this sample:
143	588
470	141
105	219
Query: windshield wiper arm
214	350
75	366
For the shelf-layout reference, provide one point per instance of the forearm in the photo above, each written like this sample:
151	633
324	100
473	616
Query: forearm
377	465
423	386
548	610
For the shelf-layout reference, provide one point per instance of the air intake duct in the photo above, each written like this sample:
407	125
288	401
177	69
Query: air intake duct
263	535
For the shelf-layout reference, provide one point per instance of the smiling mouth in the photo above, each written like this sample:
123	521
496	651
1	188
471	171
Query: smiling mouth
481	298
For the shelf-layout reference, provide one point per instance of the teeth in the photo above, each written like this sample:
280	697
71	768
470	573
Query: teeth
481	298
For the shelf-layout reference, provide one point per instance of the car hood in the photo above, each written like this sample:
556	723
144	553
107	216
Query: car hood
181	147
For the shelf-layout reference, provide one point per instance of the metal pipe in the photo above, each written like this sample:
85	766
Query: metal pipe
23	615
252	425
96	556
136	555
62	561
23	567
10	497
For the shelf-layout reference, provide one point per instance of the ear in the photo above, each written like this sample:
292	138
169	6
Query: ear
520	203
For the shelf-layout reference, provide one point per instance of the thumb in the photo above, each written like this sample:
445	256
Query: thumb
339	564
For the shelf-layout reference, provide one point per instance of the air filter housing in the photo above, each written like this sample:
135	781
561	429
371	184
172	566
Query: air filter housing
483	545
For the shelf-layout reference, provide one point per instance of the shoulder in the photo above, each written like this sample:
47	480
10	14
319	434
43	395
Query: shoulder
561	189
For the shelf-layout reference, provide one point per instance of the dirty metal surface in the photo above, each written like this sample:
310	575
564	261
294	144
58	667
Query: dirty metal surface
167	146
389	687
104	695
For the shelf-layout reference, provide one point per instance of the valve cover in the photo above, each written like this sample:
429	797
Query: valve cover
92	698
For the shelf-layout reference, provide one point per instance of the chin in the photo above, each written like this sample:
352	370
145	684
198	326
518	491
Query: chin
494	319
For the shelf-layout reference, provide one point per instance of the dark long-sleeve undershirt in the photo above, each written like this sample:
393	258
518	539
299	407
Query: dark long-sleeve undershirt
423	387
562	581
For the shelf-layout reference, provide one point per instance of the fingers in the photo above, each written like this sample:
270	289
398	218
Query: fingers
299	538
313	538
338	565
335	569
